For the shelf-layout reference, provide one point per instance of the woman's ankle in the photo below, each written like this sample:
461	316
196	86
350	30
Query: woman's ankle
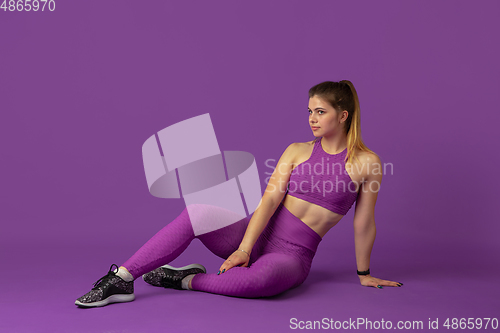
189	278
125	274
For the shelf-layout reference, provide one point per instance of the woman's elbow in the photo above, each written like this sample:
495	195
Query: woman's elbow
270	199
365	227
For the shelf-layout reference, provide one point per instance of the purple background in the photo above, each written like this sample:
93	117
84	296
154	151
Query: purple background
84	86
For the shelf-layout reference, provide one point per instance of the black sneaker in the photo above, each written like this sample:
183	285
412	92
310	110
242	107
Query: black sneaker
109	289
170	277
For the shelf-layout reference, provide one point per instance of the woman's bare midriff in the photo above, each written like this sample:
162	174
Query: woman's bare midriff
316	217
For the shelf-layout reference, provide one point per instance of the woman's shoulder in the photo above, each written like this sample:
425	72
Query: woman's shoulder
367	156
299	151
299	147
365	160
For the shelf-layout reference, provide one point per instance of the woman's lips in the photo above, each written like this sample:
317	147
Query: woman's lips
314	128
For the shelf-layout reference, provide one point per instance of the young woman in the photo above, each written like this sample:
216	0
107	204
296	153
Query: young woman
272	251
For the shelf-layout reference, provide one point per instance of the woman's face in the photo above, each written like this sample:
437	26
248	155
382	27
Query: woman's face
323	118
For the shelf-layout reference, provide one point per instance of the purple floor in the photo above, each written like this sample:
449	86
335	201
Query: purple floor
41	284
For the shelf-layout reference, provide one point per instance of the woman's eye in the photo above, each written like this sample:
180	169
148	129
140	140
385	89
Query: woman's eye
320	111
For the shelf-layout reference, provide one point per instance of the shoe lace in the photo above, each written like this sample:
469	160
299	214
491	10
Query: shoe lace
110	274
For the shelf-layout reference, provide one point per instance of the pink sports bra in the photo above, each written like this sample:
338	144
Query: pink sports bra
324	181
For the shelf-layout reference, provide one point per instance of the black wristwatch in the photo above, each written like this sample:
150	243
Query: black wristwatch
363	272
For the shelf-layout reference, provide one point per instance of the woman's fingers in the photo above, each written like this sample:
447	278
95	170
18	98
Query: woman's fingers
390	283
233	260
379	283
225	266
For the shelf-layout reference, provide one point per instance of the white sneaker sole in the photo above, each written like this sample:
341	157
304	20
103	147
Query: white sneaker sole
182	268
117	298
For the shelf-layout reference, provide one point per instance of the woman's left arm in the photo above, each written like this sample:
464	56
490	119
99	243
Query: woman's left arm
364	221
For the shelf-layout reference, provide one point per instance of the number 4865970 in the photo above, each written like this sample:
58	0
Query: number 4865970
28	5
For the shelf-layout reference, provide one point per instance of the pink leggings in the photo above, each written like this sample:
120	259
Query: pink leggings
280	259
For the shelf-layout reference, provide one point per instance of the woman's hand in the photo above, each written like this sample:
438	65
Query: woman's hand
370	281
238	258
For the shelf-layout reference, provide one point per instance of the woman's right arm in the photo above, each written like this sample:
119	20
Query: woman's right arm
273	195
